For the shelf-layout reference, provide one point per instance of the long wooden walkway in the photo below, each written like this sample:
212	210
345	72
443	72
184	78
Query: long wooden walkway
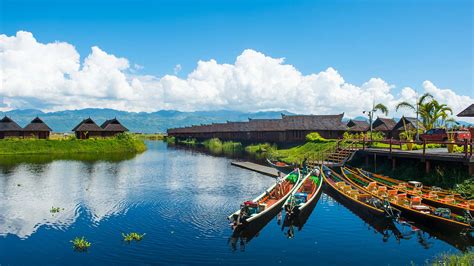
266	170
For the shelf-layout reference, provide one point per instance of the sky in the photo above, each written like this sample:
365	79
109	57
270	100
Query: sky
301	56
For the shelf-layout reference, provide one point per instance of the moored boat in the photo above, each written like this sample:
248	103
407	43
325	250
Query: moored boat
281	166
305	193
354	195
434	198
267	204
413	207
411	185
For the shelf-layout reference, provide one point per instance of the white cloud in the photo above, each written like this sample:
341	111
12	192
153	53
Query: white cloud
52	77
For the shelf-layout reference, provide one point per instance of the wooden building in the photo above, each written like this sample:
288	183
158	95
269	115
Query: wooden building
9	128
112	127
87	129
357	126
468	112
408	122
384	125
37	129
288	129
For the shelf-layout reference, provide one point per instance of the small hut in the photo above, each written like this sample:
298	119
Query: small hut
9	128
384	125
37	129
408	122
112	127
87	129
358	125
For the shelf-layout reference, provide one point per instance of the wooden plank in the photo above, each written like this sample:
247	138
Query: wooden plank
266	170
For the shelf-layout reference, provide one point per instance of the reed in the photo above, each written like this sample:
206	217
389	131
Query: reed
454	259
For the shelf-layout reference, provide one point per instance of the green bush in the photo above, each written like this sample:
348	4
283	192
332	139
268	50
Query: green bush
315	137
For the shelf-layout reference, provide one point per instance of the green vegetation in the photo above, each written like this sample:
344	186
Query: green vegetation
455	259
170	140
133	236
191	142
55	209
80	244
216	146
156	136
122	143
309	150
316	138
466	188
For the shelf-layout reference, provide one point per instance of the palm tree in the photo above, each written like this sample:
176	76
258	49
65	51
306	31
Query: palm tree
418	108
378	107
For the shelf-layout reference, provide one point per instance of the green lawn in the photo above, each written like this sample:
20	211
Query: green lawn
119	144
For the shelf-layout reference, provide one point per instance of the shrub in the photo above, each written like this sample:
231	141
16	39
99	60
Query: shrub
315	137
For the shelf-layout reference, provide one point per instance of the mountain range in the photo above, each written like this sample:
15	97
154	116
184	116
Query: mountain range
154	122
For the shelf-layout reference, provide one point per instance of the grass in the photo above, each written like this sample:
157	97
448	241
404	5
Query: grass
133	236
120	144
80	244
156	136
216	146
455	259
309	150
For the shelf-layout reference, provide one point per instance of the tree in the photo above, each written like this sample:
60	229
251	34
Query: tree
420	102
378	107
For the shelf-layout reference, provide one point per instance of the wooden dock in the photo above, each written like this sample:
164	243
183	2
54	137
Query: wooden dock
266	170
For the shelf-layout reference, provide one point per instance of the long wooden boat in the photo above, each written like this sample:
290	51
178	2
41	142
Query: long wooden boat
305	193
352	194
412	208
418	187
269	203
456	204
281	166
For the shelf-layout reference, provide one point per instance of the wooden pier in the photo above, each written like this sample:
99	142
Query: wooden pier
266	170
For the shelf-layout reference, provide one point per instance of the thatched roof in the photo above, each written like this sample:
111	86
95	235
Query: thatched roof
37	125
468	112
7	124
113	125
410	123
358	125
314	122
87	125
383	124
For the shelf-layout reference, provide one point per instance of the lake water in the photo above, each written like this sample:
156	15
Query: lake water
180	199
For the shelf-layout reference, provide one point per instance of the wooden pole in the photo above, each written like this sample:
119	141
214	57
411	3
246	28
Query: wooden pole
424	147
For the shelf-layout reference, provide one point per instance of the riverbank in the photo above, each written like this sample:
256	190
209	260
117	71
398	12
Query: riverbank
120	144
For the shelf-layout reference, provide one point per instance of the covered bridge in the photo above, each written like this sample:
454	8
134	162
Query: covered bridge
290	128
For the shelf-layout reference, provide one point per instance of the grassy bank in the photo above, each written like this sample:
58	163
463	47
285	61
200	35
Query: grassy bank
156	136
120	144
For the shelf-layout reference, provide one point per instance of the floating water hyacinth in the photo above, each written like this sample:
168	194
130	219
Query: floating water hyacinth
133	236
55	209
80	244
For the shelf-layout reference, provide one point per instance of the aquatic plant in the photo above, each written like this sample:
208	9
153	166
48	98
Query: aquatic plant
455	259
80	244
133	236
55	210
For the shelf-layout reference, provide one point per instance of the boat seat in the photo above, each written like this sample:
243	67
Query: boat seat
416	201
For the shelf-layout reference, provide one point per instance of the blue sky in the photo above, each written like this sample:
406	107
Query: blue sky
402	42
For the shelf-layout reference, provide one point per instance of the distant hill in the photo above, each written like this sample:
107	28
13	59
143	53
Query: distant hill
160	121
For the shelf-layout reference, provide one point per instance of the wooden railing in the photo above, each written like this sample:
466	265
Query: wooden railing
398	145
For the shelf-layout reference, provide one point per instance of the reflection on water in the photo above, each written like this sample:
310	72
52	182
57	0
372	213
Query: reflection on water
180	198
30	190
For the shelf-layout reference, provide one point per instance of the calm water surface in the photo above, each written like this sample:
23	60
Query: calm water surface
180	199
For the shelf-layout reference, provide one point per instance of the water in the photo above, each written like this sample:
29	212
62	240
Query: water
180	199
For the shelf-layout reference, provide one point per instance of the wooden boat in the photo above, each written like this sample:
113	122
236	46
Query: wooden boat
305	193
352	194
269	203
457	205
412	208
281	166
411	185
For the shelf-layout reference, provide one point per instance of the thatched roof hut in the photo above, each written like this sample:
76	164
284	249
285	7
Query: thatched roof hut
358	125
37	128
112	127
87	128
